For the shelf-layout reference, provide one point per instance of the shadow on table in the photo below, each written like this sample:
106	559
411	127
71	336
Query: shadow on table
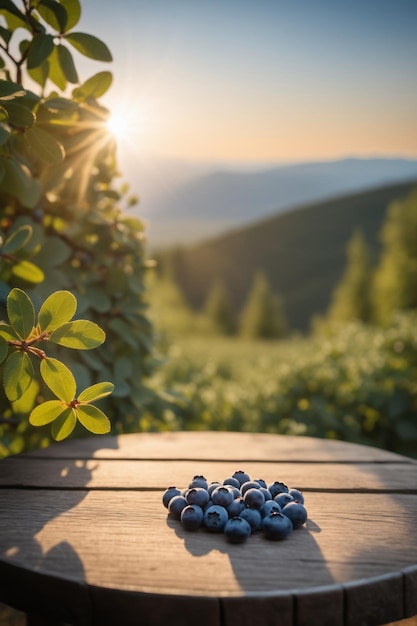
32	571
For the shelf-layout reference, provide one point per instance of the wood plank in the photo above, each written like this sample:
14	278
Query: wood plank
206	445
320	607
105	474
410	587
378	602
266	610
126	541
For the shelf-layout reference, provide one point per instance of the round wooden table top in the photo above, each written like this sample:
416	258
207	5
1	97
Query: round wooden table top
84	537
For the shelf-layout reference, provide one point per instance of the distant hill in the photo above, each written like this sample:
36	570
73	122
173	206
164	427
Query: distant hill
209	203
302	252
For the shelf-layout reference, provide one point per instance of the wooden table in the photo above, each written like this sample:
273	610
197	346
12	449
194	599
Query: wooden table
84	538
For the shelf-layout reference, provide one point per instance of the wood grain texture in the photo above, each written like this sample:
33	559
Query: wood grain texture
141	475
218	446
87	518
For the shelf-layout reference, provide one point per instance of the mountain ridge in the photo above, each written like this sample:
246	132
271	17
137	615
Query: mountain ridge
301	251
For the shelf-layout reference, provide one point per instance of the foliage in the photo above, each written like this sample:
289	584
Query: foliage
357	383
63	219
395	284
301	251
263	316
351	297
218	308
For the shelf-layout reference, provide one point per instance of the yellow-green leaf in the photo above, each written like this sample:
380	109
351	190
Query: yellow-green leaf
57	309
59	379
46	412
80	335
64	425
100	390
28	271
18	374
94	87
7	332
20	312
93	419
73	9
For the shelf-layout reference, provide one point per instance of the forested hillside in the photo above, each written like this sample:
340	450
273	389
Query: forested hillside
302	253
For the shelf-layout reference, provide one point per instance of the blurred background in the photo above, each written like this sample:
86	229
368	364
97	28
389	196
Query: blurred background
274	149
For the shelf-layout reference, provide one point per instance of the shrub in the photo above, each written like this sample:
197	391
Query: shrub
60	203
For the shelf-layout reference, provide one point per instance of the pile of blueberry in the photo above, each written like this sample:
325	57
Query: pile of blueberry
238	507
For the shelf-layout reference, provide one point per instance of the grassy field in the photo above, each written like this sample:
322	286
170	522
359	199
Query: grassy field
357	383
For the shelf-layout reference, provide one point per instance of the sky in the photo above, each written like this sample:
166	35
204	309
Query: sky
262	81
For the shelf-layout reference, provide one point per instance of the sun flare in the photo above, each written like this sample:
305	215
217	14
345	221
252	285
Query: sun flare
118	125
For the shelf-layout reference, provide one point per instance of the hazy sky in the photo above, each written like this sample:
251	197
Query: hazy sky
262	80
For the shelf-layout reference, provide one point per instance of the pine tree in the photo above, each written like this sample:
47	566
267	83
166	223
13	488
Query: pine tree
395	281
263	316
351	297
219	310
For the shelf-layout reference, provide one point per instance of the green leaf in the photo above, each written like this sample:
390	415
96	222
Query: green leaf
7	5
19	115
73	10
46	412
67	64
21	313
10	90
45	146
29	272
5	34
55	73
40	49
57	309
40	73
94	87
18	375
7	332
18	182
59	379
17	239
64	425
89	46
93	419
80	335
4	349
53	13
100	390
4	116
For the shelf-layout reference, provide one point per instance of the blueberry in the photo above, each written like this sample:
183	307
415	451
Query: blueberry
223	496
250	484
276	526
277	487
215	517
237	530
169	494
283	499
232	482
236	507
198	481
209	503
266	493
297	495
192	517
261	483
241	476
253	517
296	512
197	495
235	491
270	506
254	498
176	505
212	486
